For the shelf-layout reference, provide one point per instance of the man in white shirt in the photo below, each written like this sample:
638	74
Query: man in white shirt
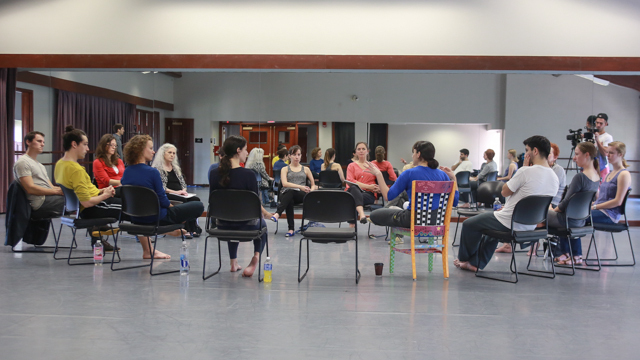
536	179
602	139
46	200
463	164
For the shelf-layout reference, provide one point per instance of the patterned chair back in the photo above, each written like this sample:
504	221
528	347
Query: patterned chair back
431	207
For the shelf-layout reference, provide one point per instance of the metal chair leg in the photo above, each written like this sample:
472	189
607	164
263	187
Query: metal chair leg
300	260
586	259
115	245
456	233
531	272
357	270
153	253
573	265
633	256
204	263
512	267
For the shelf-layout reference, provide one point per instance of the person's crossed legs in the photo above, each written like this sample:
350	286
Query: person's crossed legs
470	255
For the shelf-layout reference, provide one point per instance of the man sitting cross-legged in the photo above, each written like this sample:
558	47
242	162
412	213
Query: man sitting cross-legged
536	179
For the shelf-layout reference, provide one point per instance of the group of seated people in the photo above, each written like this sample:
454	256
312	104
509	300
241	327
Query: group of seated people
364	181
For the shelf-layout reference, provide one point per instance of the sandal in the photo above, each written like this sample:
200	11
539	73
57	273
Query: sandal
274	219
577	260
561	259
289	234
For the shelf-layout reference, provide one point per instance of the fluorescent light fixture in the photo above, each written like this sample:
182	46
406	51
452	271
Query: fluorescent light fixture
594	79
146	72
270	122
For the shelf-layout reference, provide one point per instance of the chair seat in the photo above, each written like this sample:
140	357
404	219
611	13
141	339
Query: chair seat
610	227
86	223
464	189
320	234
573	232
520	236
148	230
471	213
239	235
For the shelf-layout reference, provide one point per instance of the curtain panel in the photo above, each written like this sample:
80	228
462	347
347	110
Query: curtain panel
7	124
93	115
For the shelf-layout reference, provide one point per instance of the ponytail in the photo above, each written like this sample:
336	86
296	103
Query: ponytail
596	164
427	153
590	149
230	149
621	148
380	153
328	155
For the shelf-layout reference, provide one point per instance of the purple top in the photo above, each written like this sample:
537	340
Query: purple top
608	190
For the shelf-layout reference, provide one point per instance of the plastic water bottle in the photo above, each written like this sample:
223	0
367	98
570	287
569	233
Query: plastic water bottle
184	259
98	253
497	205
267	270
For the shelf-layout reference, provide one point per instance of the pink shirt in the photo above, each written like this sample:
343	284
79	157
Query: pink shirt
386	166
357	174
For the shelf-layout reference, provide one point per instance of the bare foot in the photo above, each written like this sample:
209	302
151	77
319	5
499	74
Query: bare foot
465	206
251	268
505	248
352	225
235	268
534	246
464	265
157	255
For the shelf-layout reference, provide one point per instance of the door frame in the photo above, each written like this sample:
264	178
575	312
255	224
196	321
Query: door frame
190	144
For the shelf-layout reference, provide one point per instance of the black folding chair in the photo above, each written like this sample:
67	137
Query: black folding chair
531	210
329	179
611	228
139	201
233	206
462	178
331	206
578	208
487	192
72	205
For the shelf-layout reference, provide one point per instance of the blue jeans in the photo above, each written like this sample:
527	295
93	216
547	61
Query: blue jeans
265	196
600	217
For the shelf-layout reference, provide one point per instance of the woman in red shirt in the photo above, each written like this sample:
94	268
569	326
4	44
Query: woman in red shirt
107	167
384	165
367	190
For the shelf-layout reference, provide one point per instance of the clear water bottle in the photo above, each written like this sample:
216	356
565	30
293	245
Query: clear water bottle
184	259
98	253
267	270
497	205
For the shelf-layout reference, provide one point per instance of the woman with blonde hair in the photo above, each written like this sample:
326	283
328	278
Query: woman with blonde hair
512	155
255	162
173	182
608	207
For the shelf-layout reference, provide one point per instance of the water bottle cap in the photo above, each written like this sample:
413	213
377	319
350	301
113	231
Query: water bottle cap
497	198
184	242
268	258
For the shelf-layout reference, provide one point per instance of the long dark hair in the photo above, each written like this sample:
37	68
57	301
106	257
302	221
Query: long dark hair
70	136
101	151
380	153
230	149
328	155
427	153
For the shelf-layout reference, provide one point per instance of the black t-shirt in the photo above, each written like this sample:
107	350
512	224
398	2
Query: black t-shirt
241	179
173	183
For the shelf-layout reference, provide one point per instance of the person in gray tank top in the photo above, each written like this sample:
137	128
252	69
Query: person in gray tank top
294	187
608	207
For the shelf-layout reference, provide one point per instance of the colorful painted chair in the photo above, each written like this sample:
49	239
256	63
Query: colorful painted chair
427	223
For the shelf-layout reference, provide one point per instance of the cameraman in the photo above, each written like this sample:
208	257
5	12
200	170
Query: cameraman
602	140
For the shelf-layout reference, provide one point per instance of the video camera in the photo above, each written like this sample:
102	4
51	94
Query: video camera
577	136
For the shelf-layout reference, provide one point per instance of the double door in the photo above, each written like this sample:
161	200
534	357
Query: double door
268	137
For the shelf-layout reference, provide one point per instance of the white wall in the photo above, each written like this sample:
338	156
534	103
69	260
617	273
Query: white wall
456	27
447	139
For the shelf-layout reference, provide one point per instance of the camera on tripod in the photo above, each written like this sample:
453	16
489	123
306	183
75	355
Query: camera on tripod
577	136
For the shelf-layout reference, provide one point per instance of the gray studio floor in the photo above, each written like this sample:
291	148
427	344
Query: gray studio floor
54	311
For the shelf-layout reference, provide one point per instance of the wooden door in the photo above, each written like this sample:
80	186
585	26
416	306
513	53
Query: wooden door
179	132
258	137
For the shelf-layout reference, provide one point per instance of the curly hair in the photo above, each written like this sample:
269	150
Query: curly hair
158	160
134	148
102	152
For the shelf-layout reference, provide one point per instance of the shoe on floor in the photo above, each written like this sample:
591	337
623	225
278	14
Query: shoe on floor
108	247
102	232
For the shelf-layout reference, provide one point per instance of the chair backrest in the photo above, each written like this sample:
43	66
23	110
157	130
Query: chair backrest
385	176
623	207
71	202
462	178
330	179
579	207
331	206
395	170
139	201
492	176
489	190
531	210
234	205
258	176
428	221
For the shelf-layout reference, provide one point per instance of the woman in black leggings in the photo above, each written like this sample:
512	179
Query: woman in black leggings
294	187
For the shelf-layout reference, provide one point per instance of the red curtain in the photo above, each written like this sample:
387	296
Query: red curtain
94	115
7	122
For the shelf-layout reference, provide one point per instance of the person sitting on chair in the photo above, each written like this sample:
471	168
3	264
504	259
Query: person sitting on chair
538	179
230	175
255	162
315	165
608	207
488	167
512	155
94	203
588	180
294	187
108	167
463	164
137	153
367	189
46	200
427	168
330	164
384	165
278	157
166	162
